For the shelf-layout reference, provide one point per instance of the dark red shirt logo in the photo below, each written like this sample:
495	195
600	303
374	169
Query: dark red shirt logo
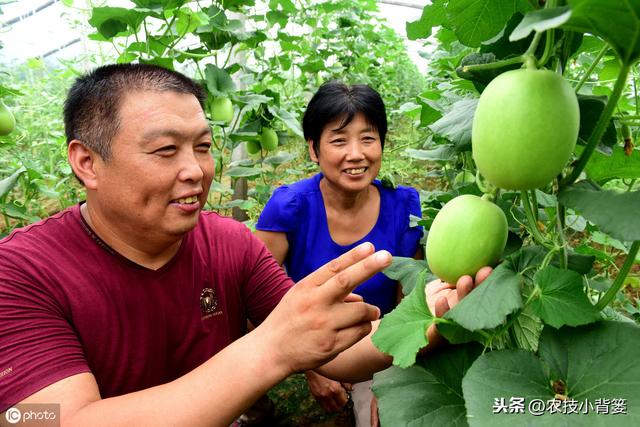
208	301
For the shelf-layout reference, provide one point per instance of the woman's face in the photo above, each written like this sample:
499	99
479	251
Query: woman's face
349	157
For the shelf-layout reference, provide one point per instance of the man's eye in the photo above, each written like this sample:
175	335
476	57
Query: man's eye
205	146
168	149
337	141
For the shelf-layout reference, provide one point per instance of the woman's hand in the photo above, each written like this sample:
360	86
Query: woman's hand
442	296
332	395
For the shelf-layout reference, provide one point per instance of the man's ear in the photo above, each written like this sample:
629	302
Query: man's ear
312	152
83	162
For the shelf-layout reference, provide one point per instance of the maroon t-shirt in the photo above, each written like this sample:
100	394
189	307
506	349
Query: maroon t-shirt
70	304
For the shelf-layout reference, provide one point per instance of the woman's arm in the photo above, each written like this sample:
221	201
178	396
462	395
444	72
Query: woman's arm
276	242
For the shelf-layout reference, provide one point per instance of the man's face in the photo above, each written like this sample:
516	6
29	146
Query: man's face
156	181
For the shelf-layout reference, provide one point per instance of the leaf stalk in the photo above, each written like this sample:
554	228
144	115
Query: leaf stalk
600	128
624	271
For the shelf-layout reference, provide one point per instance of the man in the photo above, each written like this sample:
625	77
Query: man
130	308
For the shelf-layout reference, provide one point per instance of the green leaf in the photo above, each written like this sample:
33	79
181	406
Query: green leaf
9	182
110	21
591	362
444	152
429	112
402	332
243	171
475	21
7	91
580	263
428	393
219	82
610	70
616	21
277	17
456	124
217	187
591	108
279	159
288	119
605	240
187	21
503	48
501	376
527	328
490	303
596	361
409	272
17	211
602	168
158	4
433	15
126	57
253	100
614	213
162	62
559	299
540	20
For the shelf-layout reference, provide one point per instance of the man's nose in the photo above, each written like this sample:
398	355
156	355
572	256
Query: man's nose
190	169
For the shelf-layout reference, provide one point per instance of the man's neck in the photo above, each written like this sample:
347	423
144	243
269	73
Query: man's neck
149	255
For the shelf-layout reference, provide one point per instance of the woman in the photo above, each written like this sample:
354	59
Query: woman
307	224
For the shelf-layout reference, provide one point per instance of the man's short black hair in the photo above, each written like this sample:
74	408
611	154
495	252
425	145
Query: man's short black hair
91	110
336	100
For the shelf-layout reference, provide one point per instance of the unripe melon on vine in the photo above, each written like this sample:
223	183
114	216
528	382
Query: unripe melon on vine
253	147
269	139
468	233
525	128
222	110
7	121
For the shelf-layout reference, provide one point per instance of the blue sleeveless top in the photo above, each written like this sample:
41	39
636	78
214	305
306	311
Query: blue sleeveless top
298	211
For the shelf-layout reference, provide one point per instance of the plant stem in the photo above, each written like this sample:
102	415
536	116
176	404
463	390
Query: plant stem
601	126
548	48
493	65
533	225
547	259
592	67
534	44
560	215
634	117
617	284
534	204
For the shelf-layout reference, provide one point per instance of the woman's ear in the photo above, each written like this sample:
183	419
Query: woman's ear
83	163
312	152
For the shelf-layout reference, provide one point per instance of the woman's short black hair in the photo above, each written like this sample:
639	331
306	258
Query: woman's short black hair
335	100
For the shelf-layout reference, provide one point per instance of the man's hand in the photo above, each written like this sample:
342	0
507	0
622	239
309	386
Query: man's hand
442	296
330	394
319	317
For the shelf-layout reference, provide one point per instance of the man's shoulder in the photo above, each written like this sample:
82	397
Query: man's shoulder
49	229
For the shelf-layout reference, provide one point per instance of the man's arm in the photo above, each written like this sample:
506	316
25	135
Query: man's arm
213	394
317	319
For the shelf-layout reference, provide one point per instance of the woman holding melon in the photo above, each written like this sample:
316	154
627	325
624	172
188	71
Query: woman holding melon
307	224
